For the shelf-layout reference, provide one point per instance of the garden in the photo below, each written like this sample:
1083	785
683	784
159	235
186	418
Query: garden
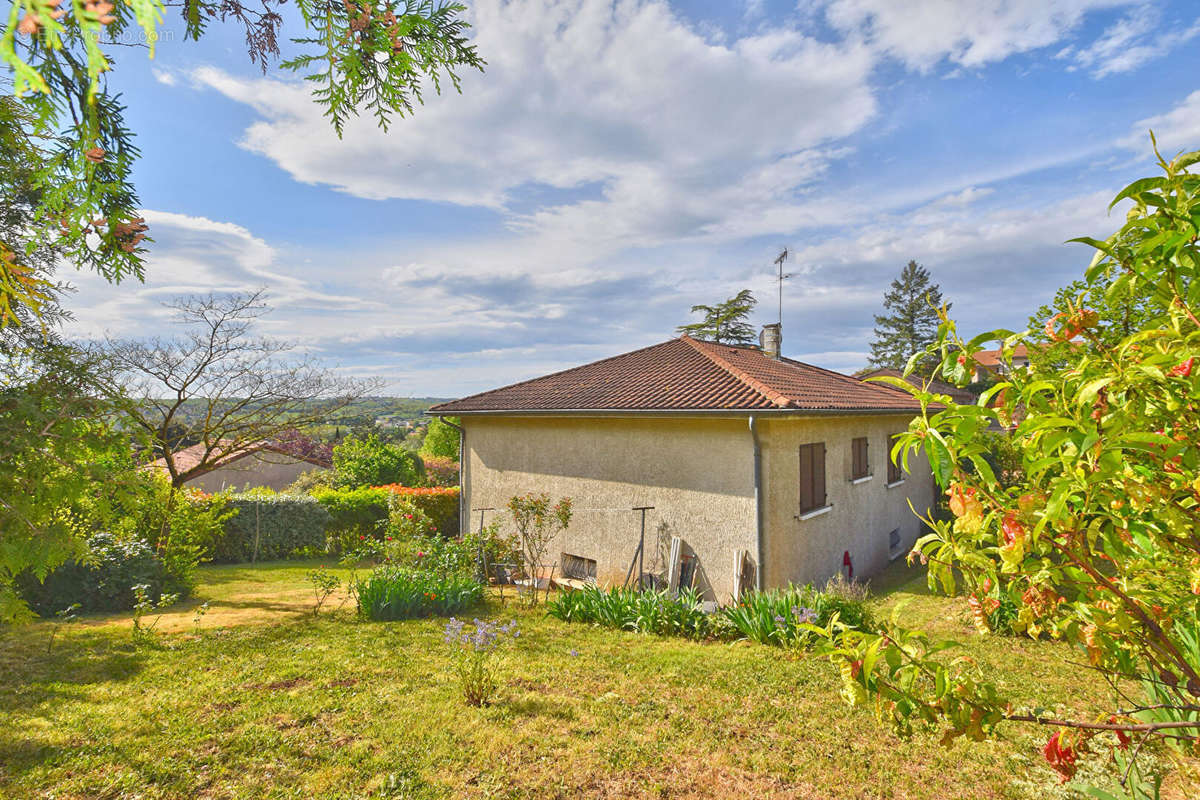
242	691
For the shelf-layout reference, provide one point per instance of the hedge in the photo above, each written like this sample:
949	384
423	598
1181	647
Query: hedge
440	503
281	524
357	512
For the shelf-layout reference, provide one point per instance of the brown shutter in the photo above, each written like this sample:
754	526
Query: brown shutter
819	475
805	478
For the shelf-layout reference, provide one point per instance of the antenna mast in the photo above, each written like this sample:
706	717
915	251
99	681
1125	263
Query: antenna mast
782	276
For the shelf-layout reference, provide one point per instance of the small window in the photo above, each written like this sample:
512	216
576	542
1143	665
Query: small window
860	467
577	567
812	476
895	474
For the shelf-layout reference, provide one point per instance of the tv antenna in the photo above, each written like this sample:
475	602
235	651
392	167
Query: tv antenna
782	257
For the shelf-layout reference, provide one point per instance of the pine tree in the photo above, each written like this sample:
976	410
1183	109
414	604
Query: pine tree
725	323
909	322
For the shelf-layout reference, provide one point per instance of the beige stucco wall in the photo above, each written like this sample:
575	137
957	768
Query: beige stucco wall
265	468
698	473
861	515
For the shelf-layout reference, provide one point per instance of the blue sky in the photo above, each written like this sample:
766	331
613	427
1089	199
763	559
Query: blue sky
619	162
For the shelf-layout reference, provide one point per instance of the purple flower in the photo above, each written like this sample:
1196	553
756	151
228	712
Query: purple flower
574	653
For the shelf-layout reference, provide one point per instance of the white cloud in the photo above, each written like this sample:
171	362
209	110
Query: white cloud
1176	130
970	33
663	130
165	78
1136	38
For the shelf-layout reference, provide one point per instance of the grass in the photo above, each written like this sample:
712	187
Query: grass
270	703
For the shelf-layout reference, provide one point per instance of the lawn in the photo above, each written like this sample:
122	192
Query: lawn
266	701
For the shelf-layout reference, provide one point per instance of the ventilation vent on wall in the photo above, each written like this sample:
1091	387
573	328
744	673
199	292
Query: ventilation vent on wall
578	567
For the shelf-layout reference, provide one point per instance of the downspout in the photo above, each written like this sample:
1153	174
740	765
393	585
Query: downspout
462	468
759	566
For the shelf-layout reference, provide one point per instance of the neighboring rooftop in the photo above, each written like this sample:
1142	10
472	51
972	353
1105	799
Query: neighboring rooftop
687	374
189	457
991	358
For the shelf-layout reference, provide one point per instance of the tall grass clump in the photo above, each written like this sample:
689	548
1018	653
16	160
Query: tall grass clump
393	593
776	617
628	609
779	616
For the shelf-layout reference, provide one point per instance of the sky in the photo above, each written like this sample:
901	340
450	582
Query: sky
619	162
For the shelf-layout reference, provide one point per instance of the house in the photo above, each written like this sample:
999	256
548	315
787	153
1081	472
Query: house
260	464
990	361
960	396
758	470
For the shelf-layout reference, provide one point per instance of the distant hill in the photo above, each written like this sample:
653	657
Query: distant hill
380	413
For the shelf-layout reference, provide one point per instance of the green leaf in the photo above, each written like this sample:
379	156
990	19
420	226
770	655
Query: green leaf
1137	187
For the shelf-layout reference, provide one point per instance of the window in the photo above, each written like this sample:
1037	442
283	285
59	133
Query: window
895	474
812	476
577	567
859	468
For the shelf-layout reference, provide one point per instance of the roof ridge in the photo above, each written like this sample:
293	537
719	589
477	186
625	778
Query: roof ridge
774	397
550	375
834	373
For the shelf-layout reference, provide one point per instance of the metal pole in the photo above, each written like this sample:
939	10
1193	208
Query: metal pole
482	572
642	548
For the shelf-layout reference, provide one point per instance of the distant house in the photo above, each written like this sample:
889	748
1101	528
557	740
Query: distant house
759	469
261	464
991	360
960	396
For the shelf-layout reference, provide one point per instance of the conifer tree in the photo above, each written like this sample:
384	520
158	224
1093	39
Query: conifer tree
910	320
725	323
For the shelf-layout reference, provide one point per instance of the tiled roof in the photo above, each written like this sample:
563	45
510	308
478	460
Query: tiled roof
990	358
687	374
189	457
961	396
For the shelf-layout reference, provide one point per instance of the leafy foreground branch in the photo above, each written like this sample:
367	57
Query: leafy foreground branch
359	54
1095	537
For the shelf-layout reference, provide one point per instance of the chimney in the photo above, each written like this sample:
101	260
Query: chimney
771	339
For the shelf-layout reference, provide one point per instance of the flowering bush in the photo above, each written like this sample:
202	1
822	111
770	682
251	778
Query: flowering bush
440	471
391	592
474	654
1093	540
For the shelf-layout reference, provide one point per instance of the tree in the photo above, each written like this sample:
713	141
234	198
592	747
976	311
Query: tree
55	444
441	439
725	323
910	319
1096	541
229	390
359	55
367	461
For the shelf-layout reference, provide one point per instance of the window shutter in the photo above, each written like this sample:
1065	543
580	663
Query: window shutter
819	475
805	478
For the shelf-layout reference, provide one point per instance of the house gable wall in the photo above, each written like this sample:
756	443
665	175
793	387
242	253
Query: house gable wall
698	473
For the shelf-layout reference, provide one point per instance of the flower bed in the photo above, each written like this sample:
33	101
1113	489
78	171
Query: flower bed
392	593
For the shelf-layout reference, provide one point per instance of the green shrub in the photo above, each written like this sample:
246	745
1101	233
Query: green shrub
441	439
392	593
277	525
371	462
354	513
439	503
104	580
777	616
645	612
